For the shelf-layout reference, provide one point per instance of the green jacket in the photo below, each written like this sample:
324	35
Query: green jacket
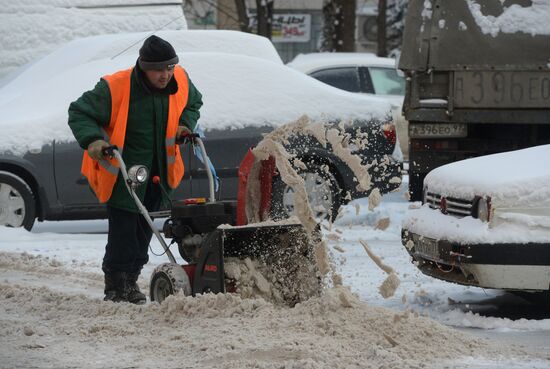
145	130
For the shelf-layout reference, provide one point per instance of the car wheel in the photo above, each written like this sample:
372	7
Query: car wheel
324	194
17	203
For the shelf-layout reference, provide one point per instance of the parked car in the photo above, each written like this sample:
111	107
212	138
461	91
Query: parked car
244	97
363	73
485	222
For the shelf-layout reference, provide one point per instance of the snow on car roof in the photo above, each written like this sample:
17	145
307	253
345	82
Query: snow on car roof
515	178
238	91
308	63
30	29
87	49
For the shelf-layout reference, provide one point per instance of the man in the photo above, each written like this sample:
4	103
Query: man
142	110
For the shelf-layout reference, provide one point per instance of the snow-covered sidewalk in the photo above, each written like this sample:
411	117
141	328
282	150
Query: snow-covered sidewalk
52	315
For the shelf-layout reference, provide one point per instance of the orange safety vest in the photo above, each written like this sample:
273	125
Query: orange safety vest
102	174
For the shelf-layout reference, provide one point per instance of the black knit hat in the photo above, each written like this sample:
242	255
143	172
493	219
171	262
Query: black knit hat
156	53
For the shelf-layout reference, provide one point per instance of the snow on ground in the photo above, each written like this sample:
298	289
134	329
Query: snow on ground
421	293
52	315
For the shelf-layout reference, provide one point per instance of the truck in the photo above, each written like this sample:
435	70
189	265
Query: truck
477	80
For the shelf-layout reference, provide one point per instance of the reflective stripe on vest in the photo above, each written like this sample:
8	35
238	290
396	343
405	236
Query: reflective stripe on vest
102	174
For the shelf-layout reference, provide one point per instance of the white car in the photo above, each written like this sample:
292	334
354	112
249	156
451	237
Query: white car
486	222
360	73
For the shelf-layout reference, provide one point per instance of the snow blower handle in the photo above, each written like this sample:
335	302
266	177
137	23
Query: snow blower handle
185	137
194	138
109	151
208	170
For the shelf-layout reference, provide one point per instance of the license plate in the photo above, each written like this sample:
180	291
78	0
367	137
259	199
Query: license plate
434	130
501	89
427	247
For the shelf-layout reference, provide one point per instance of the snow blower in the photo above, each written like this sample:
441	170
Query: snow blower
209	232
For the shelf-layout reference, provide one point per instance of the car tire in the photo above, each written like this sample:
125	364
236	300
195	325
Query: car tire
17	202
324	194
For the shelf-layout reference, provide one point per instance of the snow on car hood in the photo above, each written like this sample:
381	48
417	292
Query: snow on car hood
511	179
518	183
238	91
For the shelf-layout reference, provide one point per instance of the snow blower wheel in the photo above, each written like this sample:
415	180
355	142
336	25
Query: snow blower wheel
168	279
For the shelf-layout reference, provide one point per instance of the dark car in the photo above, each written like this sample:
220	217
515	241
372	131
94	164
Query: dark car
361	73
244	98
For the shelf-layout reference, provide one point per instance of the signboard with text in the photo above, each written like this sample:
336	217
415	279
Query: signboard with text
291	28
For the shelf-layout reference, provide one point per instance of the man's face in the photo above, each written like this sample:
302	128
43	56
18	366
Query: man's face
159	78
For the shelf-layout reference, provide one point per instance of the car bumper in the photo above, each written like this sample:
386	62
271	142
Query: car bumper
510	266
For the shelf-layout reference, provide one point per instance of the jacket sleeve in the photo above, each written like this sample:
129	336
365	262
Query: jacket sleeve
191	113
89	112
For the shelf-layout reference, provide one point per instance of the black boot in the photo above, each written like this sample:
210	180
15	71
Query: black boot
135	296
115	287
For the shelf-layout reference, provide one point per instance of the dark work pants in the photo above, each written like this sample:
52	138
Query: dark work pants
129	236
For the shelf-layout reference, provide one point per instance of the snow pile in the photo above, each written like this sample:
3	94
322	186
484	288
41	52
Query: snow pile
280	281
30	29
336	330
46	322
531	19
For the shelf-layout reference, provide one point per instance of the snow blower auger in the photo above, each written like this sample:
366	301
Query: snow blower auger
209	233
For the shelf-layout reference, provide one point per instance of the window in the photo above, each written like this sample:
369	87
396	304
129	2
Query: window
342	78
386	81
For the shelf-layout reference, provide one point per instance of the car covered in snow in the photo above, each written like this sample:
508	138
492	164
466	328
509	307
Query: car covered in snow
363	73
485	222
244	97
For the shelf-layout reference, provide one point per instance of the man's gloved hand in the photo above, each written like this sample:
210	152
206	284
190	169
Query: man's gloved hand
95	149
183	132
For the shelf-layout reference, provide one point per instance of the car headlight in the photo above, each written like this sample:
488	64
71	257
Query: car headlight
484	209
138	174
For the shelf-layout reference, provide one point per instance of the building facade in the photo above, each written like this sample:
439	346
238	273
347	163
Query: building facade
297	24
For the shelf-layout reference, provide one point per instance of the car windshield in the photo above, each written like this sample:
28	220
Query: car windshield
386	81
